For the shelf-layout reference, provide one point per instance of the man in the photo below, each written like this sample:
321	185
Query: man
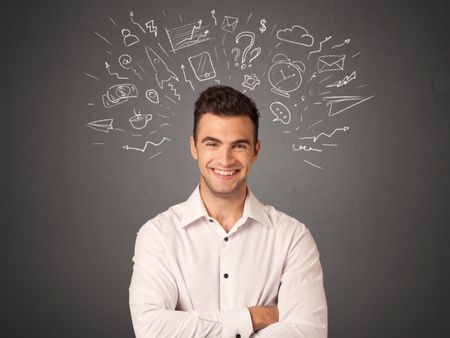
222	264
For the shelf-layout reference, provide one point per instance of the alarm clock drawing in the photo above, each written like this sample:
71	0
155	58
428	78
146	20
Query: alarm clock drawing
285	76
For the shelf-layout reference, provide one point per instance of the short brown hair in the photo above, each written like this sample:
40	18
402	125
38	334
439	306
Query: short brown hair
225	101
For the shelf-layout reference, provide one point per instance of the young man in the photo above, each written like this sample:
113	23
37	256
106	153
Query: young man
222	264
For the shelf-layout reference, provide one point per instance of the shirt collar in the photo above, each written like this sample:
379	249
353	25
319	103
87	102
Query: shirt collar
194	209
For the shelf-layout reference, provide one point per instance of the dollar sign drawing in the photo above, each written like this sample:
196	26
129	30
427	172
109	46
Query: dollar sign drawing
121	91
263	25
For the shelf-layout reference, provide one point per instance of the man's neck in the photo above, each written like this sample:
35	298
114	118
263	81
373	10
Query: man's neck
227	210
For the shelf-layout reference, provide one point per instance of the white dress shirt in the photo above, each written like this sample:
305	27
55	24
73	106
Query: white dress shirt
192	279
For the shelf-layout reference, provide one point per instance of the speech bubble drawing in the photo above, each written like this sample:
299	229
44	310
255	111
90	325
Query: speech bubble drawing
281	112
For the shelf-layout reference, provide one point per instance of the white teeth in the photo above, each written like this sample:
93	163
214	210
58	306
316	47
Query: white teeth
224	173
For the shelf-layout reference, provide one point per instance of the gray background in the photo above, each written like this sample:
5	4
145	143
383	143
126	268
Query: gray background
378	210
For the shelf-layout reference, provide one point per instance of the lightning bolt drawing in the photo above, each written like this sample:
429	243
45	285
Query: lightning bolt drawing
315	138
344	81
151	27
174	91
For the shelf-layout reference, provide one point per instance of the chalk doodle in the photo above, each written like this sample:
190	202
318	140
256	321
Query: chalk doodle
229	24
254	53
297	35
251	81
202	66
140	121
150	25
152	95
102	125
285	76
129	39
281	112
308	81
119	94
162	71
329	63
187	35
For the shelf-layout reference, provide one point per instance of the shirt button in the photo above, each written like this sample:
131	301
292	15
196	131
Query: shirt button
238	336
211	220
226	239
225	275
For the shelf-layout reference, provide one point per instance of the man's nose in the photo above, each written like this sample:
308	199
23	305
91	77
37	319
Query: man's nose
226	156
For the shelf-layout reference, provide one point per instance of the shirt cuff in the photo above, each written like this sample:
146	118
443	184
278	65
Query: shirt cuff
237	323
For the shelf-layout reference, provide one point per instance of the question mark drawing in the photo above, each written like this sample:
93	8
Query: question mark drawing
238	52
255	51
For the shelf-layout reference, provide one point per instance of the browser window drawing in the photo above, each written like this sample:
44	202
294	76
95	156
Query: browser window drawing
328	63
202	66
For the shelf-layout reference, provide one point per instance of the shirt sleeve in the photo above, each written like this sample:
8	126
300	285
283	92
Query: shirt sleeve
153	296
301	298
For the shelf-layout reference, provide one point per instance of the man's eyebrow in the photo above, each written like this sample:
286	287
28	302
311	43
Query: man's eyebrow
210	139
246	141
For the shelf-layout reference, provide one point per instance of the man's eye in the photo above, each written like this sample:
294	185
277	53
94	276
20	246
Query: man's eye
211	144
240	146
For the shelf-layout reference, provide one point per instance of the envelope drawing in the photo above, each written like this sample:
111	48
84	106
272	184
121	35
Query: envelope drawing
328	63
229	23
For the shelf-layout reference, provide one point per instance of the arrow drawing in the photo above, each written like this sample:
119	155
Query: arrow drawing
127	147
315	138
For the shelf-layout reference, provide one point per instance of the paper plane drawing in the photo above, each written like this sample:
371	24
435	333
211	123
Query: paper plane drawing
338	104
102	125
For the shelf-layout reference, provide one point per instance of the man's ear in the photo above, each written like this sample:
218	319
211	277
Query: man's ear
193	148
257	149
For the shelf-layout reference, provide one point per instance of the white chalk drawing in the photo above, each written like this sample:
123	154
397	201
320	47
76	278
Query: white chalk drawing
129	39
213	12
136	23
285	76
174	91
339	104
119	94
148	143
162	71
254	53
320	46
92	76
125	61
296	34
329	135
229	23
263	23
185	79
304	148
340	45
187	35
251	81
344	81
152	95
140	121
150	25
304	106
202	66
115	74
103	38
312	164
101	125
281	112
328	63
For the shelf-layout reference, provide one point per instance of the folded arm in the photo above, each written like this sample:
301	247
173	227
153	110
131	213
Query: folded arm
154	295
301	298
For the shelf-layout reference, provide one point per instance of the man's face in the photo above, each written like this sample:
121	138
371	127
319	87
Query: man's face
225	150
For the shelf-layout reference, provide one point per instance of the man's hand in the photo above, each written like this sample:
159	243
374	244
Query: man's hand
263	316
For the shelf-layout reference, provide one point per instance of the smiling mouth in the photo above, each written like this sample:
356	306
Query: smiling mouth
225	173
